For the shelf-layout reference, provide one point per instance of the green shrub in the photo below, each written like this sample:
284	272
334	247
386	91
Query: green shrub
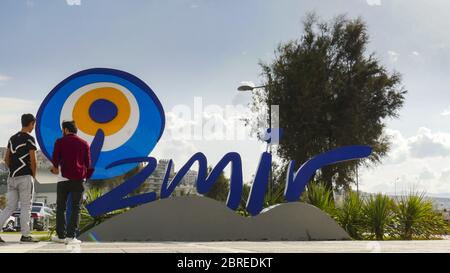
351	215
379	215
417	219
320	196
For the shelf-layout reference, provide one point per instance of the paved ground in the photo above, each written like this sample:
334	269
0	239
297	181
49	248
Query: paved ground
12	245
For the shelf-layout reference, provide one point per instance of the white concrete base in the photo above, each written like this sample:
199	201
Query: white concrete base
199	219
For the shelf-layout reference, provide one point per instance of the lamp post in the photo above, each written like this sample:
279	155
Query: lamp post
246	88
357	179
395	185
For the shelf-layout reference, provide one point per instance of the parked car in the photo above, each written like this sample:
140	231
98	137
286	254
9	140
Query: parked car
38	204
10	224
40	217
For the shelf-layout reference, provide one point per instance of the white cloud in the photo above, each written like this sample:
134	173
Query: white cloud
399	147
213	122
177	150
420	162
445	175
446	112
222	132
241	98
415	53
423	145
4	78
393	56
426	174
30	3
73	2
441	45
9	107
11	110
373	2
429	144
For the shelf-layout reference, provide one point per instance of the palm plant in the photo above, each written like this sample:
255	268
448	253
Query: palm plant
320	196
242	206
86	220
275	197
416	217
379	216
270	198
351	215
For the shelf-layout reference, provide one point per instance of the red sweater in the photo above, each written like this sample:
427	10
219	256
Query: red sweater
73	155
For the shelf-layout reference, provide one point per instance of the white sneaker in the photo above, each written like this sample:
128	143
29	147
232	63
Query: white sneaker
58	240
72	241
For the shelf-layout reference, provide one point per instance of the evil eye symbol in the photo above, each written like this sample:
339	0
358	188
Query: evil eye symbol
103	106
115	112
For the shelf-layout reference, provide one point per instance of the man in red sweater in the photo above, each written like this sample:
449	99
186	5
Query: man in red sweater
72	154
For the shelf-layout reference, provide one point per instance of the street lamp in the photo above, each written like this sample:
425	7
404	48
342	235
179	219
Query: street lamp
246	88
357	179
397	179
249	88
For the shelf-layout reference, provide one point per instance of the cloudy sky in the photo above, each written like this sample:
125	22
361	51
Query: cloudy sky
186	49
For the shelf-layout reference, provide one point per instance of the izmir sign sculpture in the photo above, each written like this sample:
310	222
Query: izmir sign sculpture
122	119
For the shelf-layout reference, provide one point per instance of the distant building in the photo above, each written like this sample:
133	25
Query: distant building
2	153
3	172
190	179
3	169
188	184
154	182
42	162
45	193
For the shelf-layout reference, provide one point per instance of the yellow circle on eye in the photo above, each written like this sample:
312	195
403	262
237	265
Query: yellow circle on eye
84	121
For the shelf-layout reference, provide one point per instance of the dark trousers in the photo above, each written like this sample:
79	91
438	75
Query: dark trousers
63	189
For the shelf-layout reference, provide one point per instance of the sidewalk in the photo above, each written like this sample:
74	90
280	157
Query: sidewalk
13	246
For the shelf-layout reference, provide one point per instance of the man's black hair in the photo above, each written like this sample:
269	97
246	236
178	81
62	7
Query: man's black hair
71	126
27	119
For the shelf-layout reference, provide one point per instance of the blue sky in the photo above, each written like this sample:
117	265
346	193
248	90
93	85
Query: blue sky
205	48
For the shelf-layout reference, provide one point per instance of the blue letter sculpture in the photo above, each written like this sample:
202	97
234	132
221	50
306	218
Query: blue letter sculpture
123	120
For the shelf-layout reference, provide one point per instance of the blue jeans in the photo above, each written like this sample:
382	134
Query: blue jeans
63	189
